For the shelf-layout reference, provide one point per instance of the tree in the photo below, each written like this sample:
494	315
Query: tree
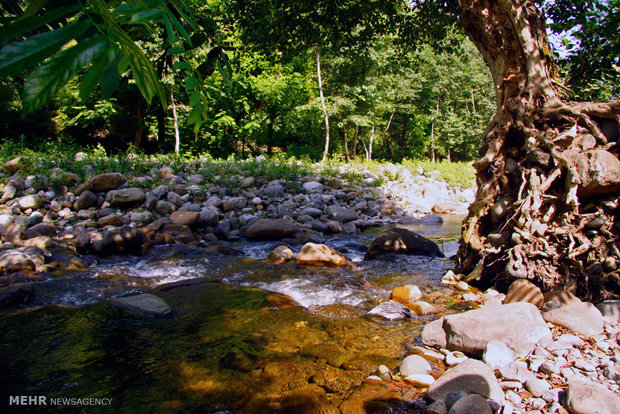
549	175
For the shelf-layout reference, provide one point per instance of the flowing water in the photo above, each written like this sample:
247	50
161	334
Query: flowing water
237	340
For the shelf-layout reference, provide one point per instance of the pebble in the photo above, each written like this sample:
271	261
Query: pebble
537	387
453	397
455	358
584	365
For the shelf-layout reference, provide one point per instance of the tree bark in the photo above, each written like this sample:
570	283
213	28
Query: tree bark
541	181
325	116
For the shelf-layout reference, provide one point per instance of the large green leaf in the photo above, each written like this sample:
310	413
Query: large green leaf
26	25
47	79
146	16
18	57
97	70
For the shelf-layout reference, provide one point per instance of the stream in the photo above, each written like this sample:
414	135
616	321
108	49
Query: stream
237	341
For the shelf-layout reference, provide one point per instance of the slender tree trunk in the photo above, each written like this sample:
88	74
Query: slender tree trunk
372	138
355	137
318	72
177	137
546	169
345	135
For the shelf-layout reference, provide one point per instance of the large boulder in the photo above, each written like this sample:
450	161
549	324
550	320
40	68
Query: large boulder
144	304
86	200
31	201
312	254
518	325
176	233
188	218
586	397
471	376
433	334
271	229
580	317
23	258
126	197
41	229
403	241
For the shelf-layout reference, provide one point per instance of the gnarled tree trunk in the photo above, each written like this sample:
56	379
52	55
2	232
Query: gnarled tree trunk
548	178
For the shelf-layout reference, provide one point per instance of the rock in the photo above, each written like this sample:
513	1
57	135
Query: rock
22	258
400	240
126	197
446	207
427	353
6	219
610	309
582	318
106	182
497	354
462	286
124	239
145	304
342	214
177	233
280	254
453	397
32	201
42	242
391	310
313	187
414	364
434	335
41	229
271	229
522	290
537	387
500	208
165	208
423	308
86	200
470	331
563	297
472	377
585	397
15	295
8	193
114	220
455	358
438	407
420	380
188	218
209	216
516	371
598	170
472	404
312	254
405	294
274	191
432	219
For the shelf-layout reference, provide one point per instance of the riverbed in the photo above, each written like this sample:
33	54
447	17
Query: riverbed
244	336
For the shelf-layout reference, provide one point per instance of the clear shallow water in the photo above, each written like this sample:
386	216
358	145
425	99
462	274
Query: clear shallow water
230	344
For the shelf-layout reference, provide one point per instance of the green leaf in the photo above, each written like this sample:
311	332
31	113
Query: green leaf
182	65
170	34
178	26
111	79
195	98
26	25
175	50
190	83
145	16
96	71
47	79
21	56
33	8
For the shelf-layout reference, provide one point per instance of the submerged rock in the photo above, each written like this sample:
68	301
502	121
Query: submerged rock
280	255
15	295
391	310
403	241
145	304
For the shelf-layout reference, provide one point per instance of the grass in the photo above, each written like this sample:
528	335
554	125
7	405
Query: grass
56	157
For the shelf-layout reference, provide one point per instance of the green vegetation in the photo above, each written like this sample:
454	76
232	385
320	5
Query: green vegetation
399	80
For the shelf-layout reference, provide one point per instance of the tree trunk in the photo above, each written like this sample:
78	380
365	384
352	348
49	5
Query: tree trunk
177	137
318	71
372	138
548	180
355	137
345	135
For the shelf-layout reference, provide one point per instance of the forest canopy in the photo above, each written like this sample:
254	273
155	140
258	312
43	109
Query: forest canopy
398	81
